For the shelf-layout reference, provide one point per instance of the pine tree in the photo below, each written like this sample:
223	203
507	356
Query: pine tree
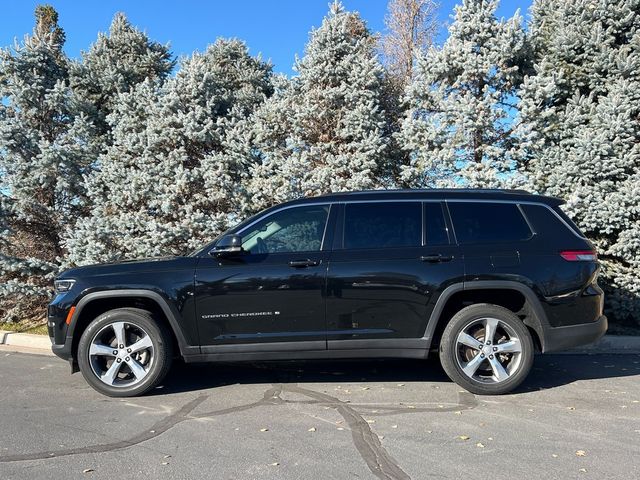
172	179
458	127
114	64
324	132
581	130
44	150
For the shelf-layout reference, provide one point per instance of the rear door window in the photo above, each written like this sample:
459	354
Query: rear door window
488	222
382	225
435	224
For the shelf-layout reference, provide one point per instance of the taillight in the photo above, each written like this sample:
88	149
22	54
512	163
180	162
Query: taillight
579	255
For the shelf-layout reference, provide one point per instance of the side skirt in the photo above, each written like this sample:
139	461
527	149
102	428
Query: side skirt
418	353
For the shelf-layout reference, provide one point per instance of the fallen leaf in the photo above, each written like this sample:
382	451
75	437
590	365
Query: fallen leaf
480	445
463	437
312	429
580	453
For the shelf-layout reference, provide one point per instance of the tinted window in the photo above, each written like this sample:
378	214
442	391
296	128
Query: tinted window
488	222
436	227
298	229
549	227
569	222
382	225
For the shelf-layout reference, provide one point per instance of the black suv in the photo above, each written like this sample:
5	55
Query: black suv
484	277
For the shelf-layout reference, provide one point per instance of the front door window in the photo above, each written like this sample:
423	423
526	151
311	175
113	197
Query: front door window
293	230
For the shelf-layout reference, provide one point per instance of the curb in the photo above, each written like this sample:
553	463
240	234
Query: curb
614	344
25	340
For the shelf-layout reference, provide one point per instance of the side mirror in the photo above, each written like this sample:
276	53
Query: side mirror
228	245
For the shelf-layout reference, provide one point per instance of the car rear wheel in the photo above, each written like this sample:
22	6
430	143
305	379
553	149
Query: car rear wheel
124	352
486	349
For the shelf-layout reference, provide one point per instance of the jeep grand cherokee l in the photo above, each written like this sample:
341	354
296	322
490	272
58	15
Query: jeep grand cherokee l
483	277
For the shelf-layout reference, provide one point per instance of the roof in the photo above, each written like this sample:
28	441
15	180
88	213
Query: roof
435	194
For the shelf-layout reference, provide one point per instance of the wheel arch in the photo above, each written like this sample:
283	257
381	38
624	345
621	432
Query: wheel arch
513	295
96	303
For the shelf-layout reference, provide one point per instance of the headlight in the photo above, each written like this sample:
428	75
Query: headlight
62	286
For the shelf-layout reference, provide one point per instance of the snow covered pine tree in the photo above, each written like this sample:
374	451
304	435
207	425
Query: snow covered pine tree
115	64
581	126
458	128
170	181
332	138
44	150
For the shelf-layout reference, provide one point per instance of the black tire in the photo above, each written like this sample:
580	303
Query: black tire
160	354
452	352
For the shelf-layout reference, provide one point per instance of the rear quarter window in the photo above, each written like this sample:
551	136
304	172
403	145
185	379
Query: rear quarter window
550	225
486	222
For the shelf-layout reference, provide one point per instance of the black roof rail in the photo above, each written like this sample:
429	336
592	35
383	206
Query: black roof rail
433	190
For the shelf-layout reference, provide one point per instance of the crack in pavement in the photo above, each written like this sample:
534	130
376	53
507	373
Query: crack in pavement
157	429
367	443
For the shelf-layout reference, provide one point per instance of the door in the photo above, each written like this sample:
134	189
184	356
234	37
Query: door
390	261
273	292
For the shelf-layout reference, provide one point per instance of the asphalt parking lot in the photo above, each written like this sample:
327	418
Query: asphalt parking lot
577	416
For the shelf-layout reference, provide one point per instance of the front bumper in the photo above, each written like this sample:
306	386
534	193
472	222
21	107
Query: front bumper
570	336
62	350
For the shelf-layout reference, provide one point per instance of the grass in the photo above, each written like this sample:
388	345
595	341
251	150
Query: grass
38	329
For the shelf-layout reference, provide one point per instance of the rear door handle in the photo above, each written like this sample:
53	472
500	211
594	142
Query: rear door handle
304	263
436	258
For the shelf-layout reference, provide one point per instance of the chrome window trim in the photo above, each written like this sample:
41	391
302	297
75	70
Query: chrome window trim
435	200
288	207
522	202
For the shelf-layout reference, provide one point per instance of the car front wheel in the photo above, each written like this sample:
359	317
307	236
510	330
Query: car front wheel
486	349
124	352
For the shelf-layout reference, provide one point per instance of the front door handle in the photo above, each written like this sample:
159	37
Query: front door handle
436	258
304	263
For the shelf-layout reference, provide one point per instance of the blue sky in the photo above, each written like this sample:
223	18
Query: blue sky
278	28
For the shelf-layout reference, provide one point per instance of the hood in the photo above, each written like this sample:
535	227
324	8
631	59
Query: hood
139	265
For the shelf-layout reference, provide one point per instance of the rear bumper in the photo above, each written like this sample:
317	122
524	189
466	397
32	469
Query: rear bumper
563	338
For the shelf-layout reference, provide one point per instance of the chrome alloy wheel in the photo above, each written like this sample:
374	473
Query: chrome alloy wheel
121	354
488	350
